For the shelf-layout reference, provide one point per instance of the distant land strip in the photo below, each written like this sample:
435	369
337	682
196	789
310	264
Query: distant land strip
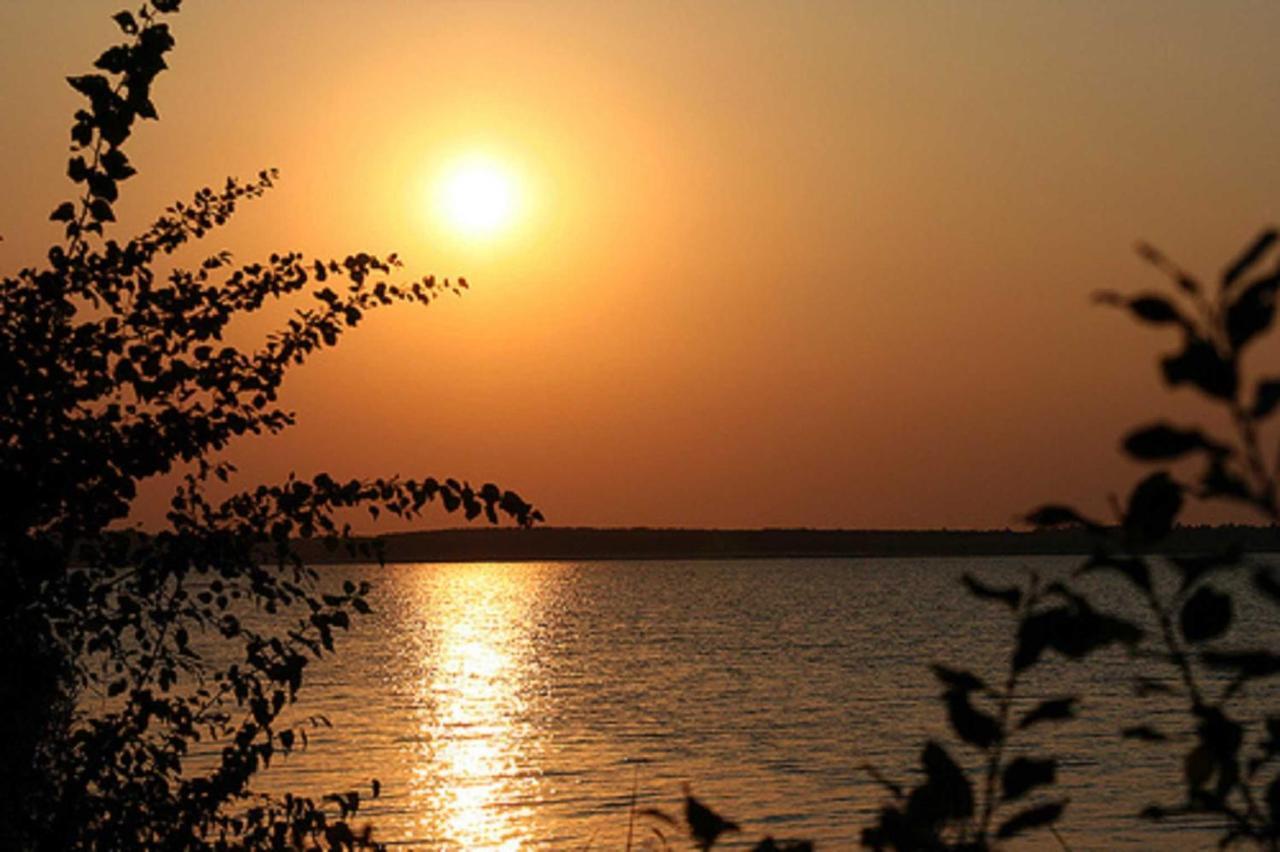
547	544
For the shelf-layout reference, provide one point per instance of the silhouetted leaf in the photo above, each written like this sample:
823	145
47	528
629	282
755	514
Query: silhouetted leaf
65	212
1073	631
1218	481
1024	774
1034	634
971	724
1162	441
1200	364
1222	735
1036	817
1011	596
1253	312
102	186
1056	516
1145	733
1087	630
126	22
1266	398
1153	506
705	825
947	792
1216	753
1155	309
1206	615
1247	258
100	210
78	169
1267	584
1049	710
94	86
958	679
117	165
771	845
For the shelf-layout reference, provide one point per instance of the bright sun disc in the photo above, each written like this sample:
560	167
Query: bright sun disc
477	197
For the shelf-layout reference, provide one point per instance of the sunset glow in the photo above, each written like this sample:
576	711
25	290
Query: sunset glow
606	425
828	286
477	197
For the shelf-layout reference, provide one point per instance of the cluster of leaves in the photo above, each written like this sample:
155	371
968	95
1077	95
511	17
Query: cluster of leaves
113	372
699	823
1228	774
948	809
1229	770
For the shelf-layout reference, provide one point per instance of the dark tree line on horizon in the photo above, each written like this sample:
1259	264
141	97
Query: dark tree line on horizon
586	543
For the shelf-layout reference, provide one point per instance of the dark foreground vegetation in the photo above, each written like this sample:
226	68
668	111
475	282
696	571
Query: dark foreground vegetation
112	371
1230	776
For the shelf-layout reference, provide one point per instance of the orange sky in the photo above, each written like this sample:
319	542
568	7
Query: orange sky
822	264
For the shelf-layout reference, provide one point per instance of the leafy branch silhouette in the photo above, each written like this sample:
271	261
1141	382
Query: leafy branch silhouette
113	372
950	810
1228	772
1230	769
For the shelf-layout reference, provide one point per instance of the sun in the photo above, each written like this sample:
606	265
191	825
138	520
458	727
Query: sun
476	196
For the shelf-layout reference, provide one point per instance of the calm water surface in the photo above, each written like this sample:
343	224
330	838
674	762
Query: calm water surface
508	706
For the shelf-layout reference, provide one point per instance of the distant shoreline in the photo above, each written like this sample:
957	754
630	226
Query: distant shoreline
547	544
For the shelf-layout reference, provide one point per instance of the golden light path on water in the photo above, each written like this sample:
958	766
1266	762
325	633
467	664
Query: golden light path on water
518	705
471	778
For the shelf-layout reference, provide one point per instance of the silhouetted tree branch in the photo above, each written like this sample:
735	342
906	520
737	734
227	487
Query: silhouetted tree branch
1228	771
111	373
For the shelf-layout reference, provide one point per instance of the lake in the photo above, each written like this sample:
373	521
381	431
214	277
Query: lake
507	706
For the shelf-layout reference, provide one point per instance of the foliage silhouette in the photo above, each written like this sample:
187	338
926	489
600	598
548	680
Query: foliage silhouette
1229	771
948	809
113	371
703	826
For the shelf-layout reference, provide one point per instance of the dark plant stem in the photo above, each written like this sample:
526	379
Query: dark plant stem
1176	653
1249	821
997	753
1266	483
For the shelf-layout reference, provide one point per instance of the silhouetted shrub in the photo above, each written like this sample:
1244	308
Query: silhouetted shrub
1229	771
112	372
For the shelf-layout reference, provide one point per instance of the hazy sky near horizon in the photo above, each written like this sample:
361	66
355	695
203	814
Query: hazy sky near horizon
818	264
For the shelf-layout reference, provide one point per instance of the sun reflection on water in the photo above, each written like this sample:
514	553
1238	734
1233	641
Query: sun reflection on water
471	781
